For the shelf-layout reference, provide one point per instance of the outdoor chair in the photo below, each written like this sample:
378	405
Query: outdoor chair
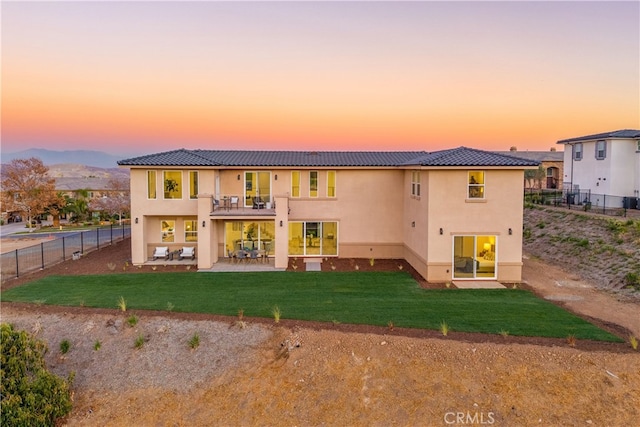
188	252
241	256
253	256
161	252
258	203
235	200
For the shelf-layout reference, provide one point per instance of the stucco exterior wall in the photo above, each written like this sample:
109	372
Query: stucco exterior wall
376	214
617	174
450	209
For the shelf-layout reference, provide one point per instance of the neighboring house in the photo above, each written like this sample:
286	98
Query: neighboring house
452	214
551	161
604	164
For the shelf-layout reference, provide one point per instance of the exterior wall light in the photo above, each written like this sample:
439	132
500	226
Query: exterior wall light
136	220
280	223
203	223
238	177
510	232
441	231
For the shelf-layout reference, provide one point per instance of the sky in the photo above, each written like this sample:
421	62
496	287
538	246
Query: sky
133	78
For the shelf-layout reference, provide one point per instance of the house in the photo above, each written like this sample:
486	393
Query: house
605	167
452	214
551	161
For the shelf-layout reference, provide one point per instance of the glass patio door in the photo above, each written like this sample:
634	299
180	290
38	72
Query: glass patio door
474	257
257	184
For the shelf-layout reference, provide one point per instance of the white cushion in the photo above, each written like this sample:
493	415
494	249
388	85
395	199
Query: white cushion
187	251
162	250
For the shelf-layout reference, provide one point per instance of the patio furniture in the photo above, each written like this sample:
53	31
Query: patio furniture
253	256
241	256
161	252
187	252
234	200
258	203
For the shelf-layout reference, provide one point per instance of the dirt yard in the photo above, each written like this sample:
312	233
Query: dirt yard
255	372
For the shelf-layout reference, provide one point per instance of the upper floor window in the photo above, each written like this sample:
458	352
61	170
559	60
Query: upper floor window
295	184
415	183
193	184
331	183
476	185
601	150
191	231
172	184
313	183
151	184
577	152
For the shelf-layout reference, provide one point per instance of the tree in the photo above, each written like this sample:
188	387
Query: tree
535	175
79	205
31	395
117	202
27	187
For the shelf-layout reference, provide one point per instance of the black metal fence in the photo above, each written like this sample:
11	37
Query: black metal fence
62	247
583	200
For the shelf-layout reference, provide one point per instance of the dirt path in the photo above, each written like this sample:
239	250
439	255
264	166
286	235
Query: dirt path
579	296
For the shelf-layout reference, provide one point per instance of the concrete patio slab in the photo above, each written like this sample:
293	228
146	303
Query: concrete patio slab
478	284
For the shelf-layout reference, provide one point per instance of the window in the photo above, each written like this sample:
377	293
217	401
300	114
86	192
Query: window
474	256
193	184
313	238
577	152
313	184
331	183
476	185
172	184
168	228
295	184
151	184
415	183
191	231
601	150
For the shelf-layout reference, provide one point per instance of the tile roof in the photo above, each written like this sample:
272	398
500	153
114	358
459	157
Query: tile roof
461	156
538	156
625	133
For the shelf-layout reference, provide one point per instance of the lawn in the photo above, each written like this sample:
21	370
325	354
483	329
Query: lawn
373	298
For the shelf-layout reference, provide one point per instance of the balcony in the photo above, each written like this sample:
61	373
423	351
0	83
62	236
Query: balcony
232	206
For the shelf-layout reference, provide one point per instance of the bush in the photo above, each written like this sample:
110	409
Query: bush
31	395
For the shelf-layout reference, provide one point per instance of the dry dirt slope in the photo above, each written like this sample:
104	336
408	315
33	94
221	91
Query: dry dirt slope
602	250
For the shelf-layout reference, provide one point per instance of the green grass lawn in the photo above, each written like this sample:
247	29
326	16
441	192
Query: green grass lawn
372	298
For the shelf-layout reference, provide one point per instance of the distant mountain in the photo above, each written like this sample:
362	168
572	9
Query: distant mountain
82	157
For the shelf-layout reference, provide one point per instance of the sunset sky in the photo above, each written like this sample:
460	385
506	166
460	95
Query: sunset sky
138	77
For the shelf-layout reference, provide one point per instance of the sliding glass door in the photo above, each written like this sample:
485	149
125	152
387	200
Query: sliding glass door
257	185
313	238
474	257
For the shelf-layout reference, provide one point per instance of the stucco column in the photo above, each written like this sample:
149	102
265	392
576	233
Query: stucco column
282	232
138	243
206	252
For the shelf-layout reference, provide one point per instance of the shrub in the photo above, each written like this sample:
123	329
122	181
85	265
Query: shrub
65	345
194	342
31	395
632	280
122	304
444	328
139	342
132	320
97	345
276	314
